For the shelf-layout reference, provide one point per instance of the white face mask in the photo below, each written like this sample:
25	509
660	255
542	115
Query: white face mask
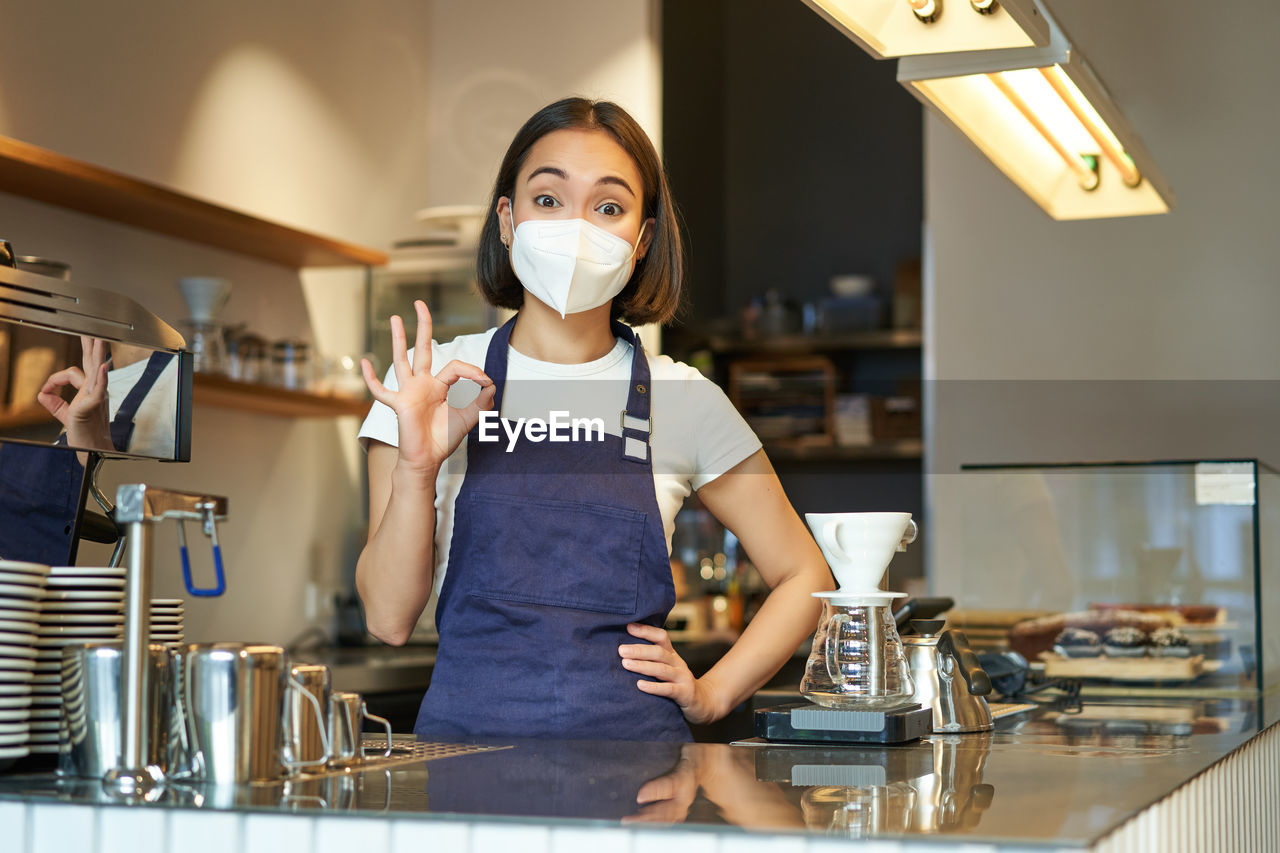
571	264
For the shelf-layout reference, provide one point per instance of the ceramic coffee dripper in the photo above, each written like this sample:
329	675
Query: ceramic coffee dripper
859	545
205	297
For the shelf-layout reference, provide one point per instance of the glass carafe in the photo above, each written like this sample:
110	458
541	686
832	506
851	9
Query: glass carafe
208	349
857	662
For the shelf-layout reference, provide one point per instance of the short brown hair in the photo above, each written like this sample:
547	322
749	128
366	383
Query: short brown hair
653	293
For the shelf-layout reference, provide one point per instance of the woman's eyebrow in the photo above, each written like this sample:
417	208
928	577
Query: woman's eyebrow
564	176
548	170
614	179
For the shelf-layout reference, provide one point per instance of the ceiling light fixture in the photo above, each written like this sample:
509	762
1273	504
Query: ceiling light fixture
926	10
1082	166
1043	118
889	28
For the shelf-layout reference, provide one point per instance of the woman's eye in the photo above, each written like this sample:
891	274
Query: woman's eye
610	209
545	201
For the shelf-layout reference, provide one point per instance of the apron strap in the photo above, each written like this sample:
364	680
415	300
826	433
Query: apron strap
637	417
636	421
495	360
122	424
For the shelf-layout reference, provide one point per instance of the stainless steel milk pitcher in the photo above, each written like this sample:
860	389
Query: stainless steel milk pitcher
233	705
90	731
347	711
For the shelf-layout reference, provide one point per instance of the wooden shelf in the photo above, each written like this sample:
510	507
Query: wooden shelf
33	416
49	177
875	339
270	400
901	449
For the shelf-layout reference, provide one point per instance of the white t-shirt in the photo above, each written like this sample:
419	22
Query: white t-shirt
155	422
697	433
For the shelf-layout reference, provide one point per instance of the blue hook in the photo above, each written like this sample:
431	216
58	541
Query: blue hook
220	586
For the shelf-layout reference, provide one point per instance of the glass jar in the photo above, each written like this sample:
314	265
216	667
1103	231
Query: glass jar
247	359
291	364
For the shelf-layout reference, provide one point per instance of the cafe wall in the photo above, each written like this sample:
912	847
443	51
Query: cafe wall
340	118
1125	339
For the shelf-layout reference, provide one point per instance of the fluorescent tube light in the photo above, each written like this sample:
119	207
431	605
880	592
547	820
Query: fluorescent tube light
888	28
1038	114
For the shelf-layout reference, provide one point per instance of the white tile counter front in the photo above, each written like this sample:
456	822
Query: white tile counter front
49	828
1045	783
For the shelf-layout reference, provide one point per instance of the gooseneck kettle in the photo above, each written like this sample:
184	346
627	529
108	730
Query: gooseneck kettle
948	677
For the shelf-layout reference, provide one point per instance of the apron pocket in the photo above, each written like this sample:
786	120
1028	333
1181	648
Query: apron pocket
553	552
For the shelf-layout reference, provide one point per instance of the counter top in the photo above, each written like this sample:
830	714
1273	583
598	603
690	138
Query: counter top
375	669
1043	778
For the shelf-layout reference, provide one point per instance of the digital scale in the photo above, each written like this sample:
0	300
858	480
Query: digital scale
842	765
805	722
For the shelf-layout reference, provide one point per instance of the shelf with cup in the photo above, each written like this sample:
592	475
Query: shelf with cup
47	176
224	393
870	339
906	449
29	416
838	406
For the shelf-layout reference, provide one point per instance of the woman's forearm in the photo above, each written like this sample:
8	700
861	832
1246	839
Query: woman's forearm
788	615
396	569
749	500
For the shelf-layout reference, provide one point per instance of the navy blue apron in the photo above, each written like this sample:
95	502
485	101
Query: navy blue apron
41	489
556	547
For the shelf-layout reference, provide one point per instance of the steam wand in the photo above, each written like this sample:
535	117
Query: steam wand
140	508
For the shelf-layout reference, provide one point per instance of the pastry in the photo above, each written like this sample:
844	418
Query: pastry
1033	636
1125	641
1177	615
1170	643
1077	643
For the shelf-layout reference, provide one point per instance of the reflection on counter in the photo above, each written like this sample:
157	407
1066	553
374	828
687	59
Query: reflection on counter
1107	763
865	793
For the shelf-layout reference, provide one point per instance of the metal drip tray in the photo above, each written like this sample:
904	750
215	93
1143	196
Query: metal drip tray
408	749
405	749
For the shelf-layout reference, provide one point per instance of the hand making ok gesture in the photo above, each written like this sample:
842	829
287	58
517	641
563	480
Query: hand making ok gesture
429	428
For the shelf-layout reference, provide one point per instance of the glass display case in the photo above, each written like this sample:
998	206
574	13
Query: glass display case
1030	550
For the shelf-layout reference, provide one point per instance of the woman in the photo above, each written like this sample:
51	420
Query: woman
554	554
